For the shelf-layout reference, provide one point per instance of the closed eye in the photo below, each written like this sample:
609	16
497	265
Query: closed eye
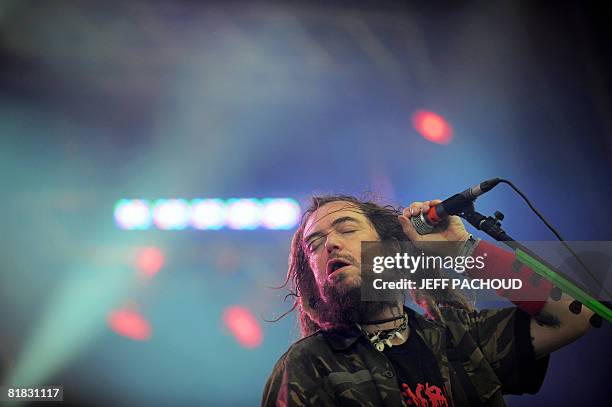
314	245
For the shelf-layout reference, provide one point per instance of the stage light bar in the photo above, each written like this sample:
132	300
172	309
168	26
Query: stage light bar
280	213
243	214
171	214
133	214
207	214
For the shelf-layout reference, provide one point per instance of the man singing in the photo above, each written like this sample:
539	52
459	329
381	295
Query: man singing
358	353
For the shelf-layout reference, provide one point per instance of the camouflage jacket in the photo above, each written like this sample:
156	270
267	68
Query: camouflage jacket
481	355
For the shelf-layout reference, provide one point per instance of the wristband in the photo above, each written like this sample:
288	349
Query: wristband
501	264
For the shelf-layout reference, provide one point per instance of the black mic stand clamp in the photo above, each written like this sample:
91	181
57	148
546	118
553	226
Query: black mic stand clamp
490	225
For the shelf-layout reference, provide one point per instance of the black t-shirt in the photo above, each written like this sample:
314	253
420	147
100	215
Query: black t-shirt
418	373
422	385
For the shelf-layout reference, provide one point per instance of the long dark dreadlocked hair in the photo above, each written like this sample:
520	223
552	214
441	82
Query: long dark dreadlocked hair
300	278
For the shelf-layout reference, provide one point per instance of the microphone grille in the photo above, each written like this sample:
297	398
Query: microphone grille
421	225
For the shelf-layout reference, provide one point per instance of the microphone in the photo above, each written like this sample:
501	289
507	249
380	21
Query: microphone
426	223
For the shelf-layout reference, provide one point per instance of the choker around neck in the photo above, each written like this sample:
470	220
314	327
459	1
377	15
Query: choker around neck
383	321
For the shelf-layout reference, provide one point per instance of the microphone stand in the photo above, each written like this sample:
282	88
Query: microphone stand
492	227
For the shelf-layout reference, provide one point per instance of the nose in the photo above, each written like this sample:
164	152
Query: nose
333	242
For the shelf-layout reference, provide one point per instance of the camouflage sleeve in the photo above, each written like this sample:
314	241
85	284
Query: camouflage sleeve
504	337
291	384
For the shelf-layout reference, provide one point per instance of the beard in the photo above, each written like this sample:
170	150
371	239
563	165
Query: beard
343	307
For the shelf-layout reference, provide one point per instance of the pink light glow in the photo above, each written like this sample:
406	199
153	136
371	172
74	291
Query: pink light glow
243	325
432	127
149	261
130	324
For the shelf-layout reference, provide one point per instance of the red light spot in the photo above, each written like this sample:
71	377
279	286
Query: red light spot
432	127
149	261
130	324
243	325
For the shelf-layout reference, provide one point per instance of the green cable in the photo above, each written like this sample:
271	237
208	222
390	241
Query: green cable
565	285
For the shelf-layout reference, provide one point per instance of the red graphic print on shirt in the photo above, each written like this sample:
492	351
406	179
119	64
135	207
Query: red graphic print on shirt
424	396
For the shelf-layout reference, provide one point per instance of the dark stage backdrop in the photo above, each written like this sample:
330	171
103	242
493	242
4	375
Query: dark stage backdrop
103	101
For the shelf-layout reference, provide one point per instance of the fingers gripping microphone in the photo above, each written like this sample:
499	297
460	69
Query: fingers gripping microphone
427	223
